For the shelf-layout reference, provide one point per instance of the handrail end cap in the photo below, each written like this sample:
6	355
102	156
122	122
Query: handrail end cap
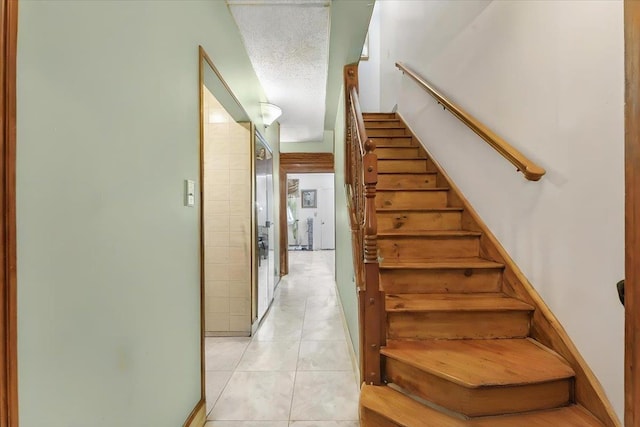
533	173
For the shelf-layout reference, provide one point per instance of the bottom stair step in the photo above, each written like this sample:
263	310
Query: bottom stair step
481	377
382	406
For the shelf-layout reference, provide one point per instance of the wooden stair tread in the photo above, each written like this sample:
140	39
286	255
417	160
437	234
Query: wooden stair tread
457	263
442	209
412	189
482	363
405	173
404	159
568	416
407	412
429	233
454	302
388	127
403	410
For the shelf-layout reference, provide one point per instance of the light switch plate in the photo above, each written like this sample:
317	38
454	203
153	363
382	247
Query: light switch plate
189	192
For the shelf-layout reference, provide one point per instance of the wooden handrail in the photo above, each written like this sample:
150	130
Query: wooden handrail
357	115
530	170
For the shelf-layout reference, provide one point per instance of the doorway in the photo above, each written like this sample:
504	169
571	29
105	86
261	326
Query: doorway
310	211
297	163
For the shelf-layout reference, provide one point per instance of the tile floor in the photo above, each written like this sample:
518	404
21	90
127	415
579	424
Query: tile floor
296	370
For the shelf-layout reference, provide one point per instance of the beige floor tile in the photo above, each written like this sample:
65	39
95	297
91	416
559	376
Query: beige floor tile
325	396
246	424
253	396
324	424
215	381
323	330
296	371
222	353
270	356
324	356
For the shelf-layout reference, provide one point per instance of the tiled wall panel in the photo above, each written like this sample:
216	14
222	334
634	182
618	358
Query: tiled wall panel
227	222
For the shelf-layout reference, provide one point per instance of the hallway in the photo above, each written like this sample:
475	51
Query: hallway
296	371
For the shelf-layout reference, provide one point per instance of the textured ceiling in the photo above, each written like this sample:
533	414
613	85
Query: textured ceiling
288	44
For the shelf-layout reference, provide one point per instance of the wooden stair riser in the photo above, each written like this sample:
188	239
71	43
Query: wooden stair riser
405	166
371	419
374	116
482	401
415	281
412	248
458	325
392	142
416	221
383	123
422	180
385	407
398	152
387	131
412	199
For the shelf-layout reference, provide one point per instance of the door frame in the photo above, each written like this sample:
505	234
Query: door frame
297	163
8	305
632	212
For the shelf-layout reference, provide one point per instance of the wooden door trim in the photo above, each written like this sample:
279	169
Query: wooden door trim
8	308
297	163
632	208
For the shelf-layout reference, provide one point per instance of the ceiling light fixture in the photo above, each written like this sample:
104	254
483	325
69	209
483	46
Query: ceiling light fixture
270	113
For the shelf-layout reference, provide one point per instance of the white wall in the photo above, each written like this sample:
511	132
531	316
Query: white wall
548	77
108	256
324	146
369	70
312	181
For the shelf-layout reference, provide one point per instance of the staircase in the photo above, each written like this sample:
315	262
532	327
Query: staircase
458	349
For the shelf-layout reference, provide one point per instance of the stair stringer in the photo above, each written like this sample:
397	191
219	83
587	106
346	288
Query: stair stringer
545	327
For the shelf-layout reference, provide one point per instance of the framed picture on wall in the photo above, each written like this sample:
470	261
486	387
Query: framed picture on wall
309	199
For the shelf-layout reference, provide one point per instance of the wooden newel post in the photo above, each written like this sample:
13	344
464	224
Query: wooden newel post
373	300
350	80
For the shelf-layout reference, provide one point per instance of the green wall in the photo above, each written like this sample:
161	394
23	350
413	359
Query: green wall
324	146
345	277
108	256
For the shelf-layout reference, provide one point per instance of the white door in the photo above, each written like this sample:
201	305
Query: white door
326	216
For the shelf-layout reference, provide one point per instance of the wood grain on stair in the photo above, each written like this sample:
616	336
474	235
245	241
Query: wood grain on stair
481	401
410	247
483	363
428	233
378	115
404	166
461	280
382	123
393	141
395	409
398	152
569	416
386	132
420	180
418	219
392	408
454	302
437	264
456	316
420	198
